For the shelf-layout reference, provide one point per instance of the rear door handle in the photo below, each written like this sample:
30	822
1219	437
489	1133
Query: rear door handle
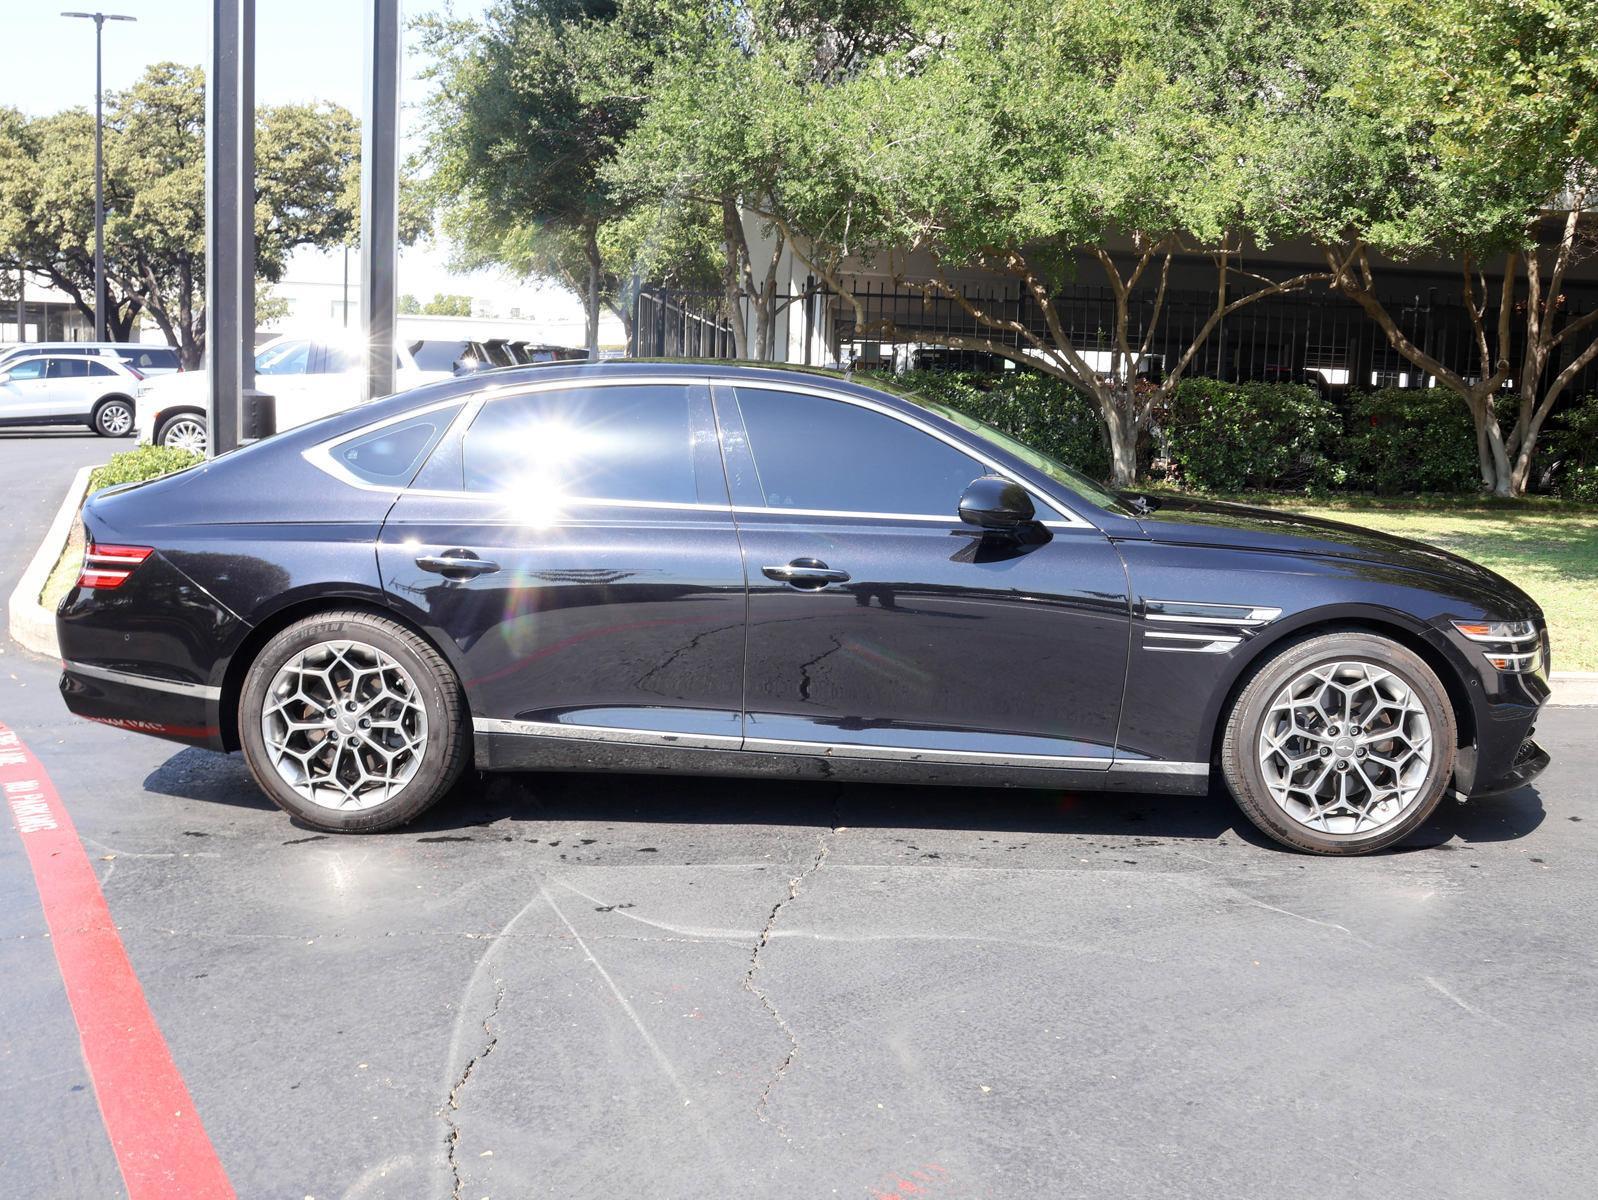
805	573
457	564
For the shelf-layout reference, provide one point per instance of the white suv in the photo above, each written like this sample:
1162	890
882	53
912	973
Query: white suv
69	389
308	377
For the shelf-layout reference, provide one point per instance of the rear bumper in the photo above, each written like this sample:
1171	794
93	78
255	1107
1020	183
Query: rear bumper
165	708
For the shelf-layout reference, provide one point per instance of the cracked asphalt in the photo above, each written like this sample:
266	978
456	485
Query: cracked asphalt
575	986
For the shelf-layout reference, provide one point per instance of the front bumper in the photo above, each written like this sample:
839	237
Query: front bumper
1530	761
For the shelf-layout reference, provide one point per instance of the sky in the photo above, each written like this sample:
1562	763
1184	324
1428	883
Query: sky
305	50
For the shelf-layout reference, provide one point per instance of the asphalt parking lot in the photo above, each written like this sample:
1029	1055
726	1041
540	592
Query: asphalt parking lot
584	986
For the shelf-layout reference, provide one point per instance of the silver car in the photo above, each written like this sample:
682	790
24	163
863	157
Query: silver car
69	389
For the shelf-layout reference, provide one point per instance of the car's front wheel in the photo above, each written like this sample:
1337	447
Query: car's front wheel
113	418
185	431
1340	744
352	723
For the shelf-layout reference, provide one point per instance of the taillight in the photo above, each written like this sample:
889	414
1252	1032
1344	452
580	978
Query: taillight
107	567
137	374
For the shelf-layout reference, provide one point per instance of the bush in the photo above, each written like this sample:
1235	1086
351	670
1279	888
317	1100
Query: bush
1233	437
1412	440
1047	414
141	463
1572	445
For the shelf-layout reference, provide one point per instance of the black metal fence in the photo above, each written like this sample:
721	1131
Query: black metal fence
1312	336
676	324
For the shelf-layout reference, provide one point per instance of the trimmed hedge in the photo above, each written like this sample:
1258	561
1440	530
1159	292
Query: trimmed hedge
1234	437
1047	414
1572	445
141	463
1411	440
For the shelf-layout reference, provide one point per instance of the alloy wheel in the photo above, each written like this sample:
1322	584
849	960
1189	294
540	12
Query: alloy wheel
185	433
116	419
1345	747
344	725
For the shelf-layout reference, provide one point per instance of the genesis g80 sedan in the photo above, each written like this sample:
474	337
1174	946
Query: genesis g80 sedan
722	569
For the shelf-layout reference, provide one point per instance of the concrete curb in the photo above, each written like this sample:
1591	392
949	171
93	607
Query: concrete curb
32	625
1574	688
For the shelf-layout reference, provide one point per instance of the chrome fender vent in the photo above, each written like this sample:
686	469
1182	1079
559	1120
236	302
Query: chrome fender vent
1194	627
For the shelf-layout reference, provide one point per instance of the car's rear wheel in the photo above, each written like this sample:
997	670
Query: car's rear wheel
1340	744
352	723
113	418
185	431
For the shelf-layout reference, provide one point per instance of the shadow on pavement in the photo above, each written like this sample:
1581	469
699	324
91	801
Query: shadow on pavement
483	799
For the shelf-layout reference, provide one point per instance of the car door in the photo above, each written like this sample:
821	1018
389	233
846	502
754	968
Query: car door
574	546
25	394
880	626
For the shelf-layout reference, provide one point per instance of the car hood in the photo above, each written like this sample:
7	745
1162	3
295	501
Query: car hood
1192	521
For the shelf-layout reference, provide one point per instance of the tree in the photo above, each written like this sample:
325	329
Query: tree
718	130
530	103
1469	127
307	160
440	305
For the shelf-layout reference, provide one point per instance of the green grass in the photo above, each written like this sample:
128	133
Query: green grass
1546	547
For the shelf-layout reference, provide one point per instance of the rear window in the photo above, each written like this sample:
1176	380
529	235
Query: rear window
392	454
159	358
439	355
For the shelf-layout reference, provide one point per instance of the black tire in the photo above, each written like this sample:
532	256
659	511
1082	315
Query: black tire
113	417
1245	777
179	423
447	743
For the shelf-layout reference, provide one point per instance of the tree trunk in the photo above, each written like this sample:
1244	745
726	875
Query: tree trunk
591	298
1118	407
732	264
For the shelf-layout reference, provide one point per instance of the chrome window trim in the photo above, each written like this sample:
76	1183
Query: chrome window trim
175	686
321	454
1072	521
1158	766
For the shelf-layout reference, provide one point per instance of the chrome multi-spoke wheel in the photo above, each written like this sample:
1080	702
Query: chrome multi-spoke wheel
184	433
344	725
1340	743
1345	747
114	418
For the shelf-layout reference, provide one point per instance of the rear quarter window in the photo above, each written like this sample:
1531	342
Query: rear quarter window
392	454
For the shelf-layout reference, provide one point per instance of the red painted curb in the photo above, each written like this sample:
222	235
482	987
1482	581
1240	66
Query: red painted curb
160	1145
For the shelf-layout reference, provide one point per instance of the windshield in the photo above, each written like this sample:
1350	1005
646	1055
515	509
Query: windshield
1050	466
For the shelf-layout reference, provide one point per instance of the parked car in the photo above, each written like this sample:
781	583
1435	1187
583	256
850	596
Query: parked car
145	358
726	569
69	389
308	377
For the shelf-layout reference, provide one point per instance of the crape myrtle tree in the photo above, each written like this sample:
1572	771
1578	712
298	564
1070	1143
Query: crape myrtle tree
1035	138
1469	128
726	124
307	158
530	103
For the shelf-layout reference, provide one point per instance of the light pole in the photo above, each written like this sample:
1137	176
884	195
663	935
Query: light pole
99	19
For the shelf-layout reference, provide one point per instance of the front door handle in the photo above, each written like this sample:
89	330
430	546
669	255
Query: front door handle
805	573
457	564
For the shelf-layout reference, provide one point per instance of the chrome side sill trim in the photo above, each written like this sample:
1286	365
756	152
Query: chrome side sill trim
710	741
176	687
976	758
605	733
1135	766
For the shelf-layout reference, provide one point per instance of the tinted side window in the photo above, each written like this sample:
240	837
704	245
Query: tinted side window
285	358
392	454
816	453
98	368
434	355
31	369
67	368
610	443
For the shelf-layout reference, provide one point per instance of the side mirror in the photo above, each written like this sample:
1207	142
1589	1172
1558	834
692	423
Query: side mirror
996	503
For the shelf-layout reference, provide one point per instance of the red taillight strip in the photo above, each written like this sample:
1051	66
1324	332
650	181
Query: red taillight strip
106	567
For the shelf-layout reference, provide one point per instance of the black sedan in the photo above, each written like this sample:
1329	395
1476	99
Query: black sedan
722	569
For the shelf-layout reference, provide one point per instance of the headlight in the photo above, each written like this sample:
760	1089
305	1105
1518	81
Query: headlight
1507	645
